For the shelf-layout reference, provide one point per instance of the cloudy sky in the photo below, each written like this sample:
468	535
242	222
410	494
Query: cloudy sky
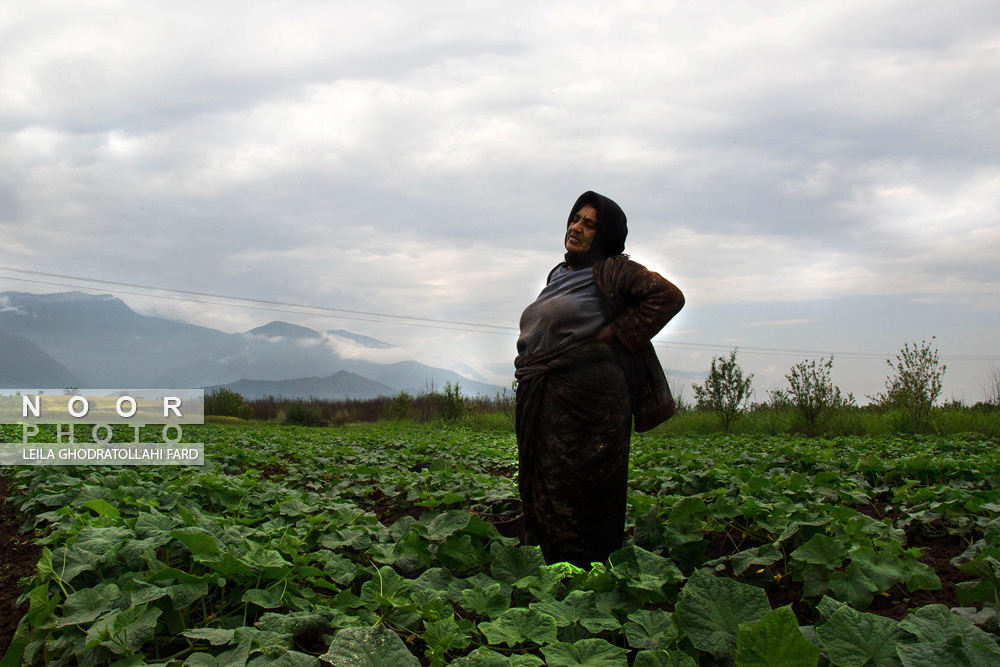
817	177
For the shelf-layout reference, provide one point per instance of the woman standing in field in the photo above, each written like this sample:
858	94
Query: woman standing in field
585	368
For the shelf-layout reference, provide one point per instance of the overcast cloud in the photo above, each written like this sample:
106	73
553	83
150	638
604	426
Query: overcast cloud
419	159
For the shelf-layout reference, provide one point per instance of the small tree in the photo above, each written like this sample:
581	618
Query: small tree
227	403
725	390
449	404
302	413
915	383
811	392
991	387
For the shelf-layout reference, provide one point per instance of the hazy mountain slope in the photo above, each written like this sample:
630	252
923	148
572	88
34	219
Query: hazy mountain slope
338	386
101	340
24	365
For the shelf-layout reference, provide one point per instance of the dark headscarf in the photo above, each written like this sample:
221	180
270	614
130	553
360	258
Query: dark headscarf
609	239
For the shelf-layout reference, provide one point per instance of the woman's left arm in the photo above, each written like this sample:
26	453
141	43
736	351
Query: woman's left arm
650	301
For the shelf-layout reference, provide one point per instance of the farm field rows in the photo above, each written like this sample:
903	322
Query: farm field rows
386	544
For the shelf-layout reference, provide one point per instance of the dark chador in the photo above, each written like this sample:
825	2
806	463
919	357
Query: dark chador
586	369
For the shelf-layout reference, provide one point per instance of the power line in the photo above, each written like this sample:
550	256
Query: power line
245	299
430	323
274	310
785	352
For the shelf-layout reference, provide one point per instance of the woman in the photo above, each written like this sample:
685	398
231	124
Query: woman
585	368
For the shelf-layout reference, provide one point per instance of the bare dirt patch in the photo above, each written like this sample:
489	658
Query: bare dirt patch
18	558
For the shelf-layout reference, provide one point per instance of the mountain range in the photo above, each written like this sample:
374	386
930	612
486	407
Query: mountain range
73	339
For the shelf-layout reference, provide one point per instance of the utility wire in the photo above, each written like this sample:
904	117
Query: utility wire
273	310
430	323
247	300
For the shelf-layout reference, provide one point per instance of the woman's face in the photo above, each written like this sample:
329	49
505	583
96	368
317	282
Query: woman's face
581	230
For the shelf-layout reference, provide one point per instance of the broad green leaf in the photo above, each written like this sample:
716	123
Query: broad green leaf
229	565
855	639
369	647
937	623
579	607
650	629
853	586
296	623
711	609
387	589
487	601
103	508
444	525
460	552
201	543
265	558
447	634
434	583
183	594
821	550
269	598
119	631
154	524
484	657
342	570
286	659
590	652
882	567
519	626
215	636
920	576
775	641
87	605
763	555
546	582
953	652
664	659
516	562
645	571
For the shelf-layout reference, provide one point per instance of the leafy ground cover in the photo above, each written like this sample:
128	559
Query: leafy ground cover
389	544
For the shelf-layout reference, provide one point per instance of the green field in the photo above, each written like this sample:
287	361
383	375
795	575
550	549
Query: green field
381	544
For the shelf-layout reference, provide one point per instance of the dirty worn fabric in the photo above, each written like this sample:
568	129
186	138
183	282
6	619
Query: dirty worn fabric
573	425
568	309
639	302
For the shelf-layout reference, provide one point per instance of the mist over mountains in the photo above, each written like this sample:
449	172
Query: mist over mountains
86	340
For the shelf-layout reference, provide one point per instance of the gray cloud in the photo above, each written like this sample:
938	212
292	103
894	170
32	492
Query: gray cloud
422	160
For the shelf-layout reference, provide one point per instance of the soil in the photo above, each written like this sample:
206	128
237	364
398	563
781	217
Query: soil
18	557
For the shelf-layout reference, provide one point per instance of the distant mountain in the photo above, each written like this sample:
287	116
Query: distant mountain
367	341
104	343
101	340
24	365
335	387
278	329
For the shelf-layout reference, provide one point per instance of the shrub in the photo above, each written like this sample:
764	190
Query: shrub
227	403
915	383
449	404
991	387
812	393
725	390
401	406
301	413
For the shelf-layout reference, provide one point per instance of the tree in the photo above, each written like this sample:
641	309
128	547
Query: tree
811	392
227	403
991	387
915	383
725	390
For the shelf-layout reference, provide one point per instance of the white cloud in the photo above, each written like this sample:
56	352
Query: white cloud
421	159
